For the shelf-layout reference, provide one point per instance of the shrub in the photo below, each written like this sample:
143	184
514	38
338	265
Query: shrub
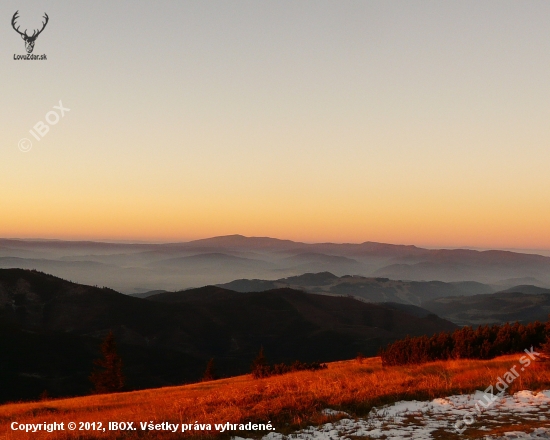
260	367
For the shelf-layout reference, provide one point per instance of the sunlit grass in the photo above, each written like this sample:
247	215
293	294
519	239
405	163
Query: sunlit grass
290	401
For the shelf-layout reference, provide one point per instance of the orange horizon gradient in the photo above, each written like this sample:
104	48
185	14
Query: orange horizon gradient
481	233
420	213
420	123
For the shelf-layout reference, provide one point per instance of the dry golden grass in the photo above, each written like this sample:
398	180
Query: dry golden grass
289	401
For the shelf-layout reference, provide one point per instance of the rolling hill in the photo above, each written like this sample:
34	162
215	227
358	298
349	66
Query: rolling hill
496	308
349	399
369	289
51	329
142	267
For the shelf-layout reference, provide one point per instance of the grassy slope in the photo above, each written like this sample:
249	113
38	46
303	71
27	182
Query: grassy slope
289	402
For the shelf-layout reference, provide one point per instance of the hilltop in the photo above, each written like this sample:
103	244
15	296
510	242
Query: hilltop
51	330
297	400
371	289
463	303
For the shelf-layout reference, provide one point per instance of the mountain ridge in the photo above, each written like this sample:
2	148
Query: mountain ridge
139	267
371	289
168	337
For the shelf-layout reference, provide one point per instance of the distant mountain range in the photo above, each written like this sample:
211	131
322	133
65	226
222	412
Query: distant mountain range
141	267
50	331
463	303
370	289
524	304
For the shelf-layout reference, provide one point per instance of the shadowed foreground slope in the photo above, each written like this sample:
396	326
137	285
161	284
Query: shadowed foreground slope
50	332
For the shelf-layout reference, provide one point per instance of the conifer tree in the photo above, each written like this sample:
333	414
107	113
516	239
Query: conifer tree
107	375
259	367
209	373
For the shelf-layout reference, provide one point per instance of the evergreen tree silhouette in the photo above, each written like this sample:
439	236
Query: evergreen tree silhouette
209	373
107	375
259	367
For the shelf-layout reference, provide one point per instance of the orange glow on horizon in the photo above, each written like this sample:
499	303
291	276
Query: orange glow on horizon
325	121
422	214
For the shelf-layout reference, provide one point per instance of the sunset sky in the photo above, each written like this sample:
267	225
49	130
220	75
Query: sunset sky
414	122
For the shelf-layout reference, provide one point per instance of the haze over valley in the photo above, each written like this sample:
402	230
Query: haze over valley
138	267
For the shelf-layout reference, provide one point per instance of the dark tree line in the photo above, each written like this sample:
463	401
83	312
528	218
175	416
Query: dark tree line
484	342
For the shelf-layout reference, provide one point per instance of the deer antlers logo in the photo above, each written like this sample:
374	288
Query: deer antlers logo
29	39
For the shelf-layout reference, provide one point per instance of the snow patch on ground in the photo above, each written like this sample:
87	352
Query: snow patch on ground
332	412
420	419
537	433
